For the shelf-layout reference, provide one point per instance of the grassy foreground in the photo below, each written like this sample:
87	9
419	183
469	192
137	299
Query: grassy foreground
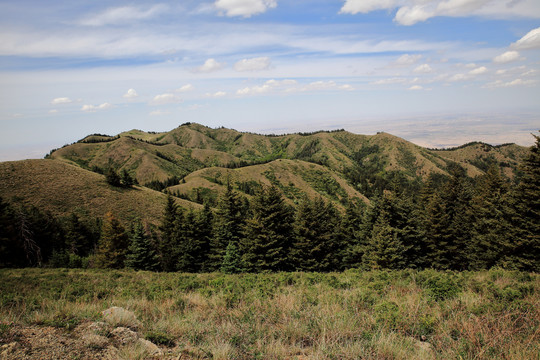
352	315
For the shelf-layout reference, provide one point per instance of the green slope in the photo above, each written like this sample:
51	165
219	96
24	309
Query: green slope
62	188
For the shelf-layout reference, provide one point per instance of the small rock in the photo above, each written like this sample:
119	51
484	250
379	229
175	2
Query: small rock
150	347
118	316
124	335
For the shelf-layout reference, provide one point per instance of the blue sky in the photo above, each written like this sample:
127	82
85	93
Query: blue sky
436	72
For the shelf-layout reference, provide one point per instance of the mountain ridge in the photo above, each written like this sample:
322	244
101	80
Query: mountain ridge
195	163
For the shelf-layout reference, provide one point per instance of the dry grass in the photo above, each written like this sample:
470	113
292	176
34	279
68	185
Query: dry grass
61	188
353	315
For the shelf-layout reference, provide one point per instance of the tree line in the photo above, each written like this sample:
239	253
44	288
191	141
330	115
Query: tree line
447	222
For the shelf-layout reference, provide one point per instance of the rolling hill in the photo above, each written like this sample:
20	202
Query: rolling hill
196	163
61	189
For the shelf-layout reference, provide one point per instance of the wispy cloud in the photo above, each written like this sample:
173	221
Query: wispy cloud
210	65
122	15
61	100
253	64
131	94
245	8
410	12
167	98
94	108
185	88
530	41
506	57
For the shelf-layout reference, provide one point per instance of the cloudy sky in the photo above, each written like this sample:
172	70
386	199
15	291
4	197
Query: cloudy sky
436	72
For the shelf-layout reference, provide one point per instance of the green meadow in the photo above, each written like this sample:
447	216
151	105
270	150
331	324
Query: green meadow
404	314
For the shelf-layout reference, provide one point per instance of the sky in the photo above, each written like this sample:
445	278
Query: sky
439	73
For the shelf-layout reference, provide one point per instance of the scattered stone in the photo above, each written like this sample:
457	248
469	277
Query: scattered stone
118	316
124	335
150	347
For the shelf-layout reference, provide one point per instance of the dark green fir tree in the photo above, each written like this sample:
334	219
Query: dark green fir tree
526	213
141	254
232	260
113	244
268	234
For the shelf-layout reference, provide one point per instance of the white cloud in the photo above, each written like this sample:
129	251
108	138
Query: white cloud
94	108
506	57
411	15
130	94
209	65
159	113
346	87
61	100
185	88
407	59
245	8
388	81
217	94
411	12
366	6
516	82
423	69
254	64
53	111
286	84
459	77
415	87
478	71
530	41
121	15
166	98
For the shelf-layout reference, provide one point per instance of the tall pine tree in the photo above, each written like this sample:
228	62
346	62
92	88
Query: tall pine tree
113	244
526	213
167	240
228	226
141	254
268	234
384	250
317	245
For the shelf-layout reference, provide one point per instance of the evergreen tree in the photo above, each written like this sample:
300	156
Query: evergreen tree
113	178
11	249
268	233
126	179
190	244
351	230
317	245
112	246
490	245
141	255
79	238
526	213
232	260
168	235
446	222
384	250
205	230
228	226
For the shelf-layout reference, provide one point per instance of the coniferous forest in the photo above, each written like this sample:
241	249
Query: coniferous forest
453	222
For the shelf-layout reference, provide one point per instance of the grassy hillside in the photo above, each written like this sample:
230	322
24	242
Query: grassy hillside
56	314
190	147
62	188
195	162
295	179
